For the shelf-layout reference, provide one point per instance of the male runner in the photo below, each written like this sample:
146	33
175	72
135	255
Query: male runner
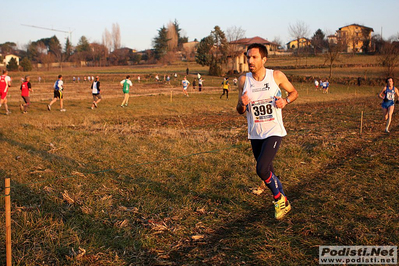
58	94
185	84
126	84
5	83
260	98
226	87
95	91
26	88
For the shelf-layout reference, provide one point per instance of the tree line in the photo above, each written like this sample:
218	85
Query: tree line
212	50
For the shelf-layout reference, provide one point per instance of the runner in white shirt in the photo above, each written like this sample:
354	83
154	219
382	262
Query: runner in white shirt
260	98
185	84
95	91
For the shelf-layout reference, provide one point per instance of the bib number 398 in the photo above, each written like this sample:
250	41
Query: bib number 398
262	109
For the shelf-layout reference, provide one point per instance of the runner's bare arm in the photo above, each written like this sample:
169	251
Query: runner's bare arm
243	100
283	82
381	94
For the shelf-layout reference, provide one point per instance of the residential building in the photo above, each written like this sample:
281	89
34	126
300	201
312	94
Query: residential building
7	58
354	38
299	43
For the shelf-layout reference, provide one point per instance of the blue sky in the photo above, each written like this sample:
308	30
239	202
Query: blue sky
140	20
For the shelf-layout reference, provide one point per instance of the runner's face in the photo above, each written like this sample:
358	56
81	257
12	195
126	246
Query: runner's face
255	61
390	83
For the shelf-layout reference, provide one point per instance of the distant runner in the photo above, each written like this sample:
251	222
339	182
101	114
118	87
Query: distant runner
58	94
200	80
126	84
316	84
5	83
26	88
95	91
226	87
325	85
185	84
388	105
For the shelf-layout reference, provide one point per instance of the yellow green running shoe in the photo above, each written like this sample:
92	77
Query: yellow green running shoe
282	207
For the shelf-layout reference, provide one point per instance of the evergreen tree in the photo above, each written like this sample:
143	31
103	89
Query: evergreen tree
318	41
83	45
32	51
8	47
204	56
82	50
212	51
161	43
68	49
26	64
181	39
12	65
54	47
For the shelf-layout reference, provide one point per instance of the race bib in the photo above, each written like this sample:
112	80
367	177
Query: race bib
390	96
262	111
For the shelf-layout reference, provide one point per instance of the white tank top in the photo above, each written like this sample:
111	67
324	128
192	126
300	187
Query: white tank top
264	118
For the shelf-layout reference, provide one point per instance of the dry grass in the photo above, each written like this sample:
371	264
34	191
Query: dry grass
168	183
321	60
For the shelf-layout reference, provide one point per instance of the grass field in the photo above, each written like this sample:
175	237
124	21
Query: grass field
168	181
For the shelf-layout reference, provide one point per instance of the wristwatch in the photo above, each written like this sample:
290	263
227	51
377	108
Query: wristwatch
288	100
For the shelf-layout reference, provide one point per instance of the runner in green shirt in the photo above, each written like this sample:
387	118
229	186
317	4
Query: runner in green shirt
126	84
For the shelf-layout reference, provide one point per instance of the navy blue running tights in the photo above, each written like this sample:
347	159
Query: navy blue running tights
264	151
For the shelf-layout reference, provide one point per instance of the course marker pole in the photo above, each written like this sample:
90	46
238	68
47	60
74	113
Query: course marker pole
8	220
361	122
171	92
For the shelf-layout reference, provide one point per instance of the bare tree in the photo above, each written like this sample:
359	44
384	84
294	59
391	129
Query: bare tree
234	33
107	39
189	52
298	31
389	57
116	36
277	40
332	54
173	38
100	53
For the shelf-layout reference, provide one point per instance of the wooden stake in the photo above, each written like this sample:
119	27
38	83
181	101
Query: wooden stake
361	122
8	220
171	92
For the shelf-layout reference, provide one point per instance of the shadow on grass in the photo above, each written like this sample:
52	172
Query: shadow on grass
323	212
253	237
81	229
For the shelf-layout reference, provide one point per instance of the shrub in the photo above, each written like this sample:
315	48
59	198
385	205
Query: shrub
12	65
26	64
